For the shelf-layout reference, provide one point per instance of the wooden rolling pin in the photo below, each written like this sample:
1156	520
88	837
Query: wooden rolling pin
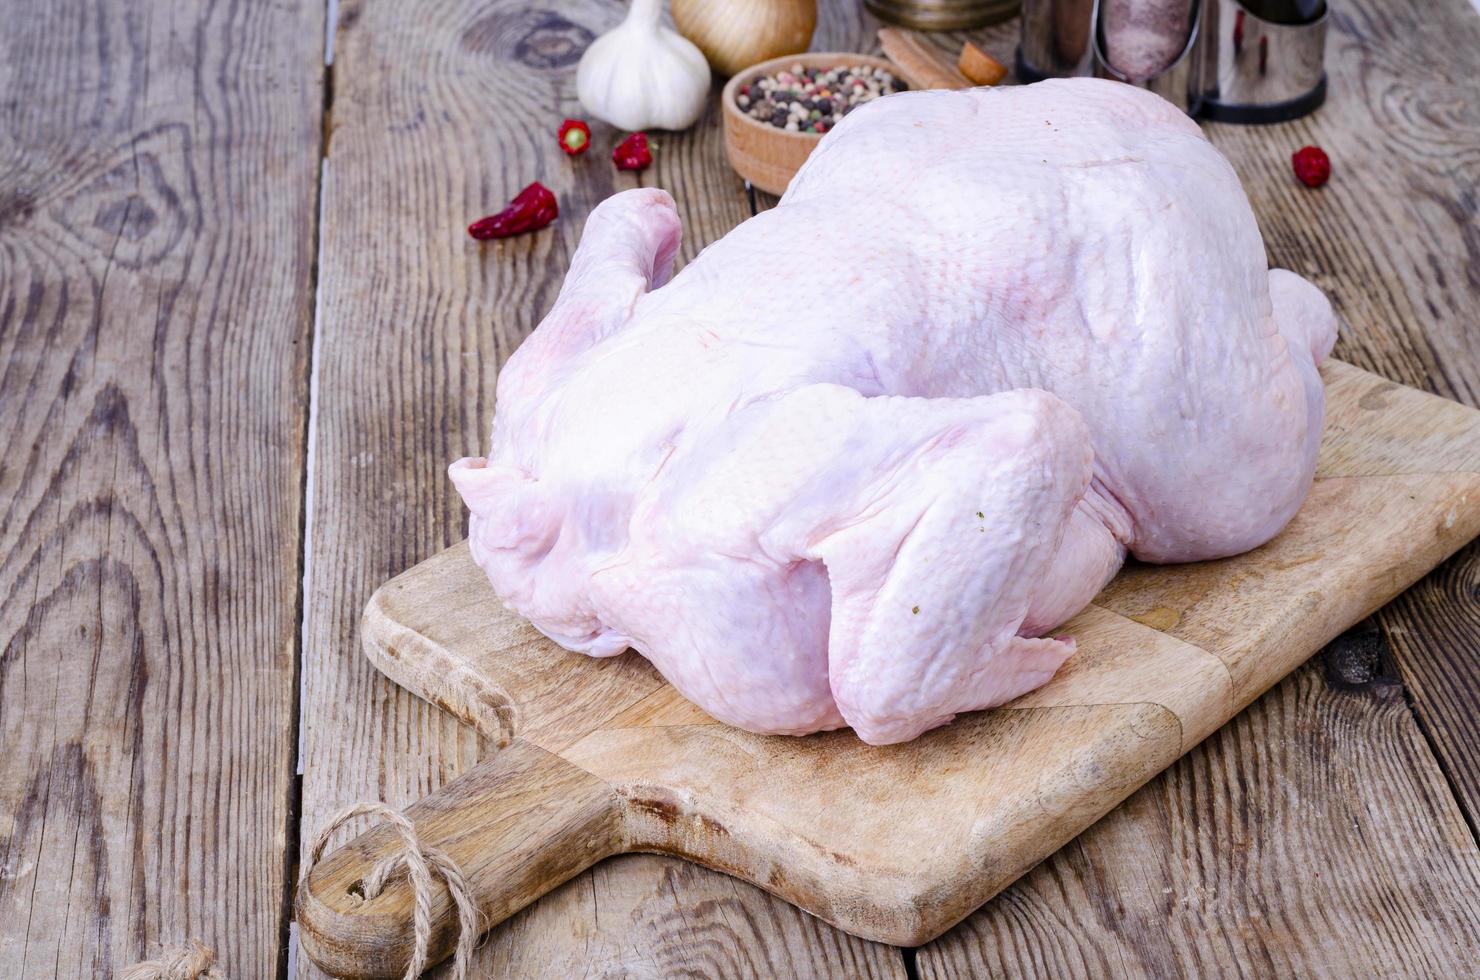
918	60
923	63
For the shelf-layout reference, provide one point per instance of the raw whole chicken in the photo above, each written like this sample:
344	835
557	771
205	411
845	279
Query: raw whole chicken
853	463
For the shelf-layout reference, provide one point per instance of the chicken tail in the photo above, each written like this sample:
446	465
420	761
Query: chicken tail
1303	314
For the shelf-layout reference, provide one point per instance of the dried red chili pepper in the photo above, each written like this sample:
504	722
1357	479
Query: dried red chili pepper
633	153
532	208
1312	165
575	137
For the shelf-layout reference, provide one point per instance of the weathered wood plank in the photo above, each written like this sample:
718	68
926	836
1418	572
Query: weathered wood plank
621	949
1395	241
996	792
647	916
1215	863
1311	836
1433	631
441	113
158	173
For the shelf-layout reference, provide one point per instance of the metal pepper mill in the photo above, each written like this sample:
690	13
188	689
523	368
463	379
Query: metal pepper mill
1245	61
1261	61
1056	39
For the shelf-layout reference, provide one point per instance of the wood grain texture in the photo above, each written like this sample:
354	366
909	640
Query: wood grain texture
156	171
839	22
1432	632
1310	837
442	111
646	916
158	175
929	830
1392	240
920	60
554	821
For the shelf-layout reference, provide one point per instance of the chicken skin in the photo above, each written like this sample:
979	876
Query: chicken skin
852	464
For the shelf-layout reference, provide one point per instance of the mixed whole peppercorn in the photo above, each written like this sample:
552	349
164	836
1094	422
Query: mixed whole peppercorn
812	100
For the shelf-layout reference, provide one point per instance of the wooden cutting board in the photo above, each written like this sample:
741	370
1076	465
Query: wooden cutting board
895	843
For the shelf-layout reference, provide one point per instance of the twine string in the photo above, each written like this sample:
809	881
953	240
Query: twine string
196	961
418	860
193	961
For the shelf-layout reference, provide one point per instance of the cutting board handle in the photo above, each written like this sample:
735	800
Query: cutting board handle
517	825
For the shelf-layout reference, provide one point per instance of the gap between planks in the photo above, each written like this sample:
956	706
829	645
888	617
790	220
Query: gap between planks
293	838
1430	743
311	446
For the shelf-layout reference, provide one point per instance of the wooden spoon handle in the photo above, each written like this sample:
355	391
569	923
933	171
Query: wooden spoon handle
517	825
919	61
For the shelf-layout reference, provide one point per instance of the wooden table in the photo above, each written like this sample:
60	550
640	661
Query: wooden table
242	333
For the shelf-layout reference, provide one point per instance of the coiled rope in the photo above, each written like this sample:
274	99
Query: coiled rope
196	961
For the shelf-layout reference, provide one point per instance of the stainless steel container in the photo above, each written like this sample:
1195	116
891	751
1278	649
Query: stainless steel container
1055	40
1245	61
942	15
1177	83
1255	69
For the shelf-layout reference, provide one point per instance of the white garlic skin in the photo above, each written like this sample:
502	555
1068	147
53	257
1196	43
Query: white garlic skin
642	75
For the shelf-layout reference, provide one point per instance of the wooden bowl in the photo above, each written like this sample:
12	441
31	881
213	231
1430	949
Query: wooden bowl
761	153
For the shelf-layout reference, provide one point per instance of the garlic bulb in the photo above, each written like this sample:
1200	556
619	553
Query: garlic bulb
643	75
